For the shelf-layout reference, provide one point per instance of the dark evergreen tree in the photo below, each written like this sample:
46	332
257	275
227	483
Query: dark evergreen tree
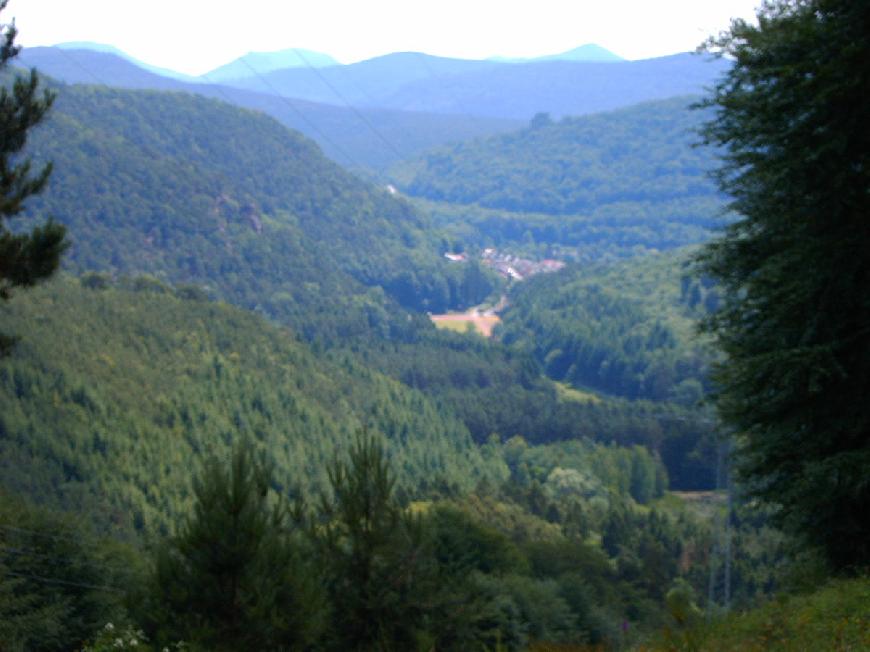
235	577
381	567
792	123
25	258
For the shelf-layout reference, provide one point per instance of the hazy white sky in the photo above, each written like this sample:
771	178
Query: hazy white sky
194	36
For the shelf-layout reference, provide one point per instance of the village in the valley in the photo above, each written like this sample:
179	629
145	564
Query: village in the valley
510	266
485	319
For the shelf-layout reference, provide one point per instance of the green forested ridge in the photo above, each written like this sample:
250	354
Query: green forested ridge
192	190
608	232
625	329
639	156
120	390
173	463
114	392
240	210
499	390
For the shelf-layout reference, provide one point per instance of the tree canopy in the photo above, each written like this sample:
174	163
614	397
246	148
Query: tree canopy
791	117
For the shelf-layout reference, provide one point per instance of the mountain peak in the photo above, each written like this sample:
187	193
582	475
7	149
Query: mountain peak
265	62
587	52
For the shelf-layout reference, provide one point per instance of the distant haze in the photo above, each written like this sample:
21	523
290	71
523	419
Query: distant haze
195	36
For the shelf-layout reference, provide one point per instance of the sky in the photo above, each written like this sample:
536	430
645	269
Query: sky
196	36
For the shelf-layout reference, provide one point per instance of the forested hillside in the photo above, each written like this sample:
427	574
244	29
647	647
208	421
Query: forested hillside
113	391
624	164
626	329
598	187
193	190
254	214
118	392
229	422
499	391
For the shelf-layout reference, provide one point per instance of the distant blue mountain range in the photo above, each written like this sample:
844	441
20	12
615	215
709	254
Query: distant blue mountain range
376	112
111	49
263	62
355	137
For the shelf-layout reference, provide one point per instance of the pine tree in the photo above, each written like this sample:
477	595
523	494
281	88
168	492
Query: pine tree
791	119
378	557
25	258
235	576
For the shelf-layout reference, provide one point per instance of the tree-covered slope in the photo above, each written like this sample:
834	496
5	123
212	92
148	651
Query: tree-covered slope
627	329
367	139
640	155
194	190
113	394
499	391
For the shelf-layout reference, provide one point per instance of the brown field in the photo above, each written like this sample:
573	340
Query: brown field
460	322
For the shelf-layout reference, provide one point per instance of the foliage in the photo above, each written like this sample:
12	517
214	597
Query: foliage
499	390
235	576
606	233
194	191
834	617
121	389
111	638
380	576
58	582
791	118
26	258
641	154
624	329
575	469
588	189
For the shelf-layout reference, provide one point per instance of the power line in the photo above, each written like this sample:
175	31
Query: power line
301	115
54	580
31	553
80	65
350	106
12	528
457	99
220	90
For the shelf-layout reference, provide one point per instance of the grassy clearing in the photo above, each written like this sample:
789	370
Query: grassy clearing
455	325
467	323
568	393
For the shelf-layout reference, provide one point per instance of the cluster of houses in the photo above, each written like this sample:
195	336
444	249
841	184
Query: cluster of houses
509	266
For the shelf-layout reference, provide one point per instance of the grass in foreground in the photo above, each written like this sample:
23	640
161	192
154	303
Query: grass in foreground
835	618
